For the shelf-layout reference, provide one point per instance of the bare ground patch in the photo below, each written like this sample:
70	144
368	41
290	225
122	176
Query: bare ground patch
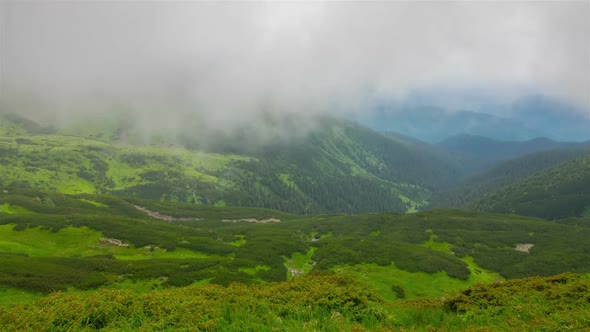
253	220
523	247
158	215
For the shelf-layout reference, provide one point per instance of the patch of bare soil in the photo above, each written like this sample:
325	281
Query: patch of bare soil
254	220
158	215
523	247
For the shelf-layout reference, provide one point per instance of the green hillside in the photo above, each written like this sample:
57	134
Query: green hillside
341	168
235	236
54	242
142	264
478	153
558	192
473	188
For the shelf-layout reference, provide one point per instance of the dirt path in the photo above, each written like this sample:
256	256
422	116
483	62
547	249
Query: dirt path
257	221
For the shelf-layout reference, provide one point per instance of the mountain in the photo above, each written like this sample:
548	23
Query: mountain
477	152
340	167
13	124
552	117
474	187
136	235
558	192
526	118
434	124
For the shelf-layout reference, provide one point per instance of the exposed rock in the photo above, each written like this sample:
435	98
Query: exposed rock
113	242
295	272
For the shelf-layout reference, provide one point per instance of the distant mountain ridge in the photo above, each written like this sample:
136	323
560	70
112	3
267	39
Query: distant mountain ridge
476	187
434	124
478	152
339	167
524	119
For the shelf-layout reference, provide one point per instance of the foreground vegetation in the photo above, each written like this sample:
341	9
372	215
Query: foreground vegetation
311	303
55	242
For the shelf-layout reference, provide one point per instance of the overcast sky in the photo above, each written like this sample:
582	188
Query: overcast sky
231	59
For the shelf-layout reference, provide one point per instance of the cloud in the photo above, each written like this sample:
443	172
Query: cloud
229	61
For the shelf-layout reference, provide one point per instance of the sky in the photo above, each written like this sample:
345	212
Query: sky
226	62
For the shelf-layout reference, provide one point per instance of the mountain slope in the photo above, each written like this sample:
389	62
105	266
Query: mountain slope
477	152
341	167
558	192
434	124
53	241
525	118
475	187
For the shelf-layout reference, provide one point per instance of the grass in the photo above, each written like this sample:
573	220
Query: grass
78	242
137	286
39	242
13	209
436	245
142	253
478	274
301	262
240	241
262	251
415	284
95	203
12	297
306	304
53	162
419	284
310	303
254	270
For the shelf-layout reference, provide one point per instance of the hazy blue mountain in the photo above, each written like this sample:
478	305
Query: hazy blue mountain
552	118
524	119
478	152
434	124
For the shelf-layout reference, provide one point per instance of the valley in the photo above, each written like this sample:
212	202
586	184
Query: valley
104	245
368	215
362	171
333	166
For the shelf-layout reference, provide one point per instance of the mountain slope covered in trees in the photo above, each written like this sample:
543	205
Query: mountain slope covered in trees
479	153
474	187
341	168
557	192
338	166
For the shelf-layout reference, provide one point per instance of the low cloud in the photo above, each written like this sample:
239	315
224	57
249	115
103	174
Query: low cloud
225	63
